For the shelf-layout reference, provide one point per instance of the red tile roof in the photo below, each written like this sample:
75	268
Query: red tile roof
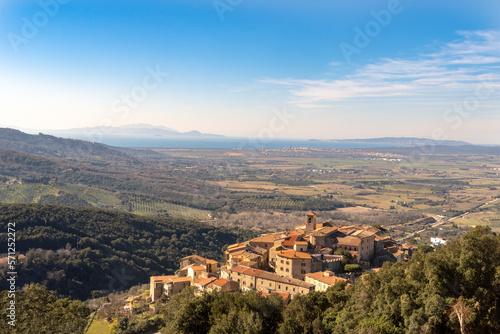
293	254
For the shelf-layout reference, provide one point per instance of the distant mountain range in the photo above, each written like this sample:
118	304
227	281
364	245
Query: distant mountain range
143	130
411	141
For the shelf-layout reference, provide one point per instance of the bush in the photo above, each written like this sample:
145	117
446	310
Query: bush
352	268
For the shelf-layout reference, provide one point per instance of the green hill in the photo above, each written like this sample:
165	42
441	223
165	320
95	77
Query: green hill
84	252
50	146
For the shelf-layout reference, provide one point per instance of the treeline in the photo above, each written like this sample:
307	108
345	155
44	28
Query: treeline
84	253
455	289
38	311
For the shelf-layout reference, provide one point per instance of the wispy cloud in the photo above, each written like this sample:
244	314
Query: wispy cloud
454	69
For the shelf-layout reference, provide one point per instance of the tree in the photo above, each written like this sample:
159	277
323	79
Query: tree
39	312
425	248
352	268
462	311
346	255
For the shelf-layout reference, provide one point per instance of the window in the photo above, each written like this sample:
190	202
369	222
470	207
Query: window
287	263
293	289
302	271
286	288
279	286
287	270
303	264
269	284
281	268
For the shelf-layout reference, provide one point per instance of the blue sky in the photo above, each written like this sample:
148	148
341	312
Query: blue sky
424	69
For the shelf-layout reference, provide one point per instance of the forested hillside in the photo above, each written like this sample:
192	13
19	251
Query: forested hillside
83	252
50	146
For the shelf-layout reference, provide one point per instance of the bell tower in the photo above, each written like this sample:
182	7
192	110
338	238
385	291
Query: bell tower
310	222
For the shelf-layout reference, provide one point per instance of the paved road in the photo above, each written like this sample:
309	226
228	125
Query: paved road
441	221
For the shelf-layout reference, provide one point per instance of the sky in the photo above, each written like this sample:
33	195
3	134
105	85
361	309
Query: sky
277	69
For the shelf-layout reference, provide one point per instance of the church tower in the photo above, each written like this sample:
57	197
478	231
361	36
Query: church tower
310	222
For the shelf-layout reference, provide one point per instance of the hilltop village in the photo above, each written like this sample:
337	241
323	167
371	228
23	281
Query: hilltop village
313	256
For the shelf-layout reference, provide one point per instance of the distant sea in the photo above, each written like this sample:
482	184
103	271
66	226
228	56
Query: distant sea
218	142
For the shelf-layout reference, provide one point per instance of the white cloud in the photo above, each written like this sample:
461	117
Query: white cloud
455	69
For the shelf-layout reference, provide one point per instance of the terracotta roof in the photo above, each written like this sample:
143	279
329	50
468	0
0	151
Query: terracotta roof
270	276
284	295
372	229
252	272
239	244
311	214
164	279
170	279
290	241
293	254
301	243
246	270
203	281
197	257
280	279
268	238
363	234
199	268
349	241
347	229
326	277
221	282
237	253
181	279
323	231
